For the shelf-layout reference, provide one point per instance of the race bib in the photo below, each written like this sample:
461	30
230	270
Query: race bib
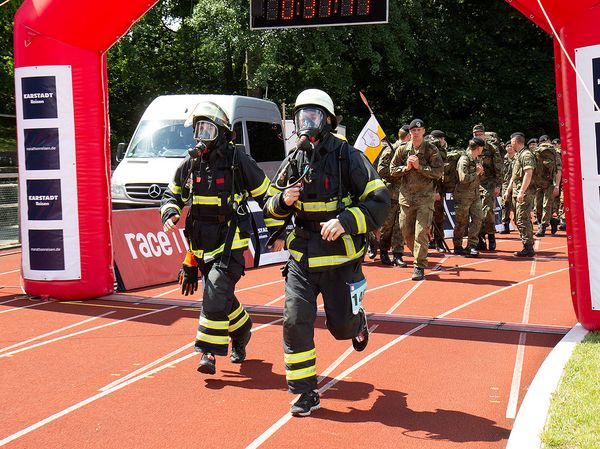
357	292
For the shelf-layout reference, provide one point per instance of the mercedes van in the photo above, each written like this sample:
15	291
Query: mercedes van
161	141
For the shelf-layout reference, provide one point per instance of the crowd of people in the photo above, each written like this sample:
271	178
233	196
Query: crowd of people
334	197
421	171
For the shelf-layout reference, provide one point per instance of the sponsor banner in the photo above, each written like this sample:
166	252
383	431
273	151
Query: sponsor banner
47	173
145	255
587	61
42	150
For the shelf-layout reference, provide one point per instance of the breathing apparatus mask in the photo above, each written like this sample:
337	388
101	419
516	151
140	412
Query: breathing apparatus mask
211	128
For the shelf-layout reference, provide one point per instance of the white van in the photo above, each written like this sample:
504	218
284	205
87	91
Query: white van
160	142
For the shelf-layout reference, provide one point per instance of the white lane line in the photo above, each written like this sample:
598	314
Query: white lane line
26	307
100	395
112	323
9	272
405	297
500	290
513	399
47	334
145	367
285	418
279	298
237	291
534	261
10	300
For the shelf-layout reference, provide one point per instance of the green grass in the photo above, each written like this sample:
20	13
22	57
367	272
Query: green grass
574	417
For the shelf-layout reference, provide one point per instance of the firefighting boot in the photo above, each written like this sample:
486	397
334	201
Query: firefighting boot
362	338
527	251
385	258
554	225
238	348
399	261
208	364
541	230
491	242
506	229
306	404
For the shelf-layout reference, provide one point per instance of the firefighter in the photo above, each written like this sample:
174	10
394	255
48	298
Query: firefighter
336	197
215	180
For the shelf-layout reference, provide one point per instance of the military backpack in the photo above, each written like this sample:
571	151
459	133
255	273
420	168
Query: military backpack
545	158
450	178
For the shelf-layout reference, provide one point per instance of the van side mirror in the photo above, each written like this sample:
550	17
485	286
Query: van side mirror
121	148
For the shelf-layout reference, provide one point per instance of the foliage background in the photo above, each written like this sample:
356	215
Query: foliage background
452	64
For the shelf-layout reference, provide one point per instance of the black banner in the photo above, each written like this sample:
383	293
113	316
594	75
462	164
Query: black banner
46	249
44	199
598	147
39	97
42	149
596	80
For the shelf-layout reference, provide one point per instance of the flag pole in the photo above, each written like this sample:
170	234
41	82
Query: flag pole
366	102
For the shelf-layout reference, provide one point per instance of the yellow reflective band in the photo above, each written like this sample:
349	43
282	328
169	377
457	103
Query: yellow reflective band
325	261
269	222
206	200
273	190
349	244
262	188
215	339
301	373
290	359
320	206
271	208
213	324
297	255
175	188
209	255
233	315
371	186
170	206
240	323
359	216
290	238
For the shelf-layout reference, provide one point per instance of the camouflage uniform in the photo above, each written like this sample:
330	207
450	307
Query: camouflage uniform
466	202
490	180
509	204
391	232
438	206
544	199
524	160
417	194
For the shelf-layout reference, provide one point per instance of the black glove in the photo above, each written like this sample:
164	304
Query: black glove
188	279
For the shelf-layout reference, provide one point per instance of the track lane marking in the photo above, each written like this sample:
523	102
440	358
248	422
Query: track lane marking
47	334
112	323
10	300
9	272
26	307
100	395
513	399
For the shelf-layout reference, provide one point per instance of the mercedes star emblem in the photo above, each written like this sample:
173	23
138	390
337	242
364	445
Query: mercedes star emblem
154	191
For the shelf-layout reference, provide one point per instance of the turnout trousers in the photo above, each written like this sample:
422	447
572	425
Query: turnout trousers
300	311
222	316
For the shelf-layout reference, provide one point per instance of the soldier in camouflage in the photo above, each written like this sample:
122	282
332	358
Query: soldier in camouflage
418	165
522	189
547	179
508	204
467	203
491	183
438	138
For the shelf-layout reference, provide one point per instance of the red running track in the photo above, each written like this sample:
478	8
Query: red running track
448	363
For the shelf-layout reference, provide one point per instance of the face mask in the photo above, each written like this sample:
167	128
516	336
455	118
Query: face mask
205	131
309	121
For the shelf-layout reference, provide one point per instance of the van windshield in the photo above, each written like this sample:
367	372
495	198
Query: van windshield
161	138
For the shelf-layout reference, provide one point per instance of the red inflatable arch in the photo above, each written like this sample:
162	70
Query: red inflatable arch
63	140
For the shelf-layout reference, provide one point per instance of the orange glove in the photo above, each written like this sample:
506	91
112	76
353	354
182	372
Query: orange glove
188	275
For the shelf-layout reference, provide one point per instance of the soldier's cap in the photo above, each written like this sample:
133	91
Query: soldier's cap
404	128
518	133
437	133
478	141
544	138
416	123
533	140
478	128
556	141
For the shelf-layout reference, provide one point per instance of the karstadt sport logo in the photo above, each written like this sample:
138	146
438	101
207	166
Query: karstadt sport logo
154	191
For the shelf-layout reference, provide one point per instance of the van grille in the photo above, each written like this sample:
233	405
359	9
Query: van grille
141	192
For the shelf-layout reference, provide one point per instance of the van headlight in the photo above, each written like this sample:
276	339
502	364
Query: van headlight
118	191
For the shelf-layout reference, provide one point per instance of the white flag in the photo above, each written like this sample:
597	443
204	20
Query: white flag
370	139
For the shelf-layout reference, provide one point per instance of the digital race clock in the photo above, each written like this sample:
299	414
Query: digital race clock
305	13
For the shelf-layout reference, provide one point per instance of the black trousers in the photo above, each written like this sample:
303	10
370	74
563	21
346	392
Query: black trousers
222	316
300	311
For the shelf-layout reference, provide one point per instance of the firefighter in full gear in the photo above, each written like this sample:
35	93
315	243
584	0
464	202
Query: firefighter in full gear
336	197
214	181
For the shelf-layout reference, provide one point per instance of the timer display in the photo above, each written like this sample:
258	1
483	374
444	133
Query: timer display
306	13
